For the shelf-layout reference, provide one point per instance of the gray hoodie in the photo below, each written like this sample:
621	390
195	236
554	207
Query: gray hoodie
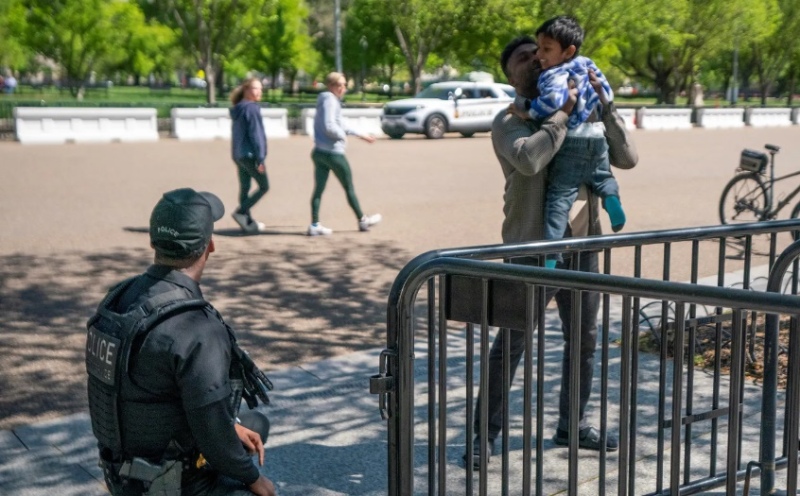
330	134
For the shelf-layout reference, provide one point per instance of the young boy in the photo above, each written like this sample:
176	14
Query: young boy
583	158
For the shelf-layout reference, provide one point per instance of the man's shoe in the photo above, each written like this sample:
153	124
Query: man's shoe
589	439
368	221
319	230
476	453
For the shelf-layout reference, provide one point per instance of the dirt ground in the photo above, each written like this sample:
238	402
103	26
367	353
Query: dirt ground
74	221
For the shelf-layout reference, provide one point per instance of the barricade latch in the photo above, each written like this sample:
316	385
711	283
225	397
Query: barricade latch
382	384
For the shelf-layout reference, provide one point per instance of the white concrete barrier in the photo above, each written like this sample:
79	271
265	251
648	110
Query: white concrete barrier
664	118
768	117
53	125
719	118
276	122
189	124
795	115
629	116
362	120
215	123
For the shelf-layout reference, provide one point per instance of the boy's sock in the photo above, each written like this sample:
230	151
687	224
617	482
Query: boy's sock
615	212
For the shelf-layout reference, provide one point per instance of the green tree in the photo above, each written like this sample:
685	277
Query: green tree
13	53
664	42
149	47
774	52
423	27
281	40
477	41
82	36
369	41
208	30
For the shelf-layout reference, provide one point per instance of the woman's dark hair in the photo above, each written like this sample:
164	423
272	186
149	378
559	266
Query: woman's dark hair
565	30
509	49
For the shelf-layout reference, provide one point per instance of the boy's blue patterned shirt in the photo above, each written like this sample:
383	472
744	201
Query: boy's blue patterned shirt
554	90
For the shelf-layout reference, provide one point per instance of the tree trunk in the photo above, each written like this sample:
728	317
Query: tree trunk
221	83
211	94
792	86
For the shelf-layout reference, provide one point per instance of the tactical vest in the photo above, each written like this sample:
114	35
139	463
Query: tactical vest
109	343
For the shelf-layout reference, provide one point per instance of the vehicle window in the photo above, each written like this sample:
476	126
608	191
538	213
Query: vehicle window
433	92
468	93
510	92
485	93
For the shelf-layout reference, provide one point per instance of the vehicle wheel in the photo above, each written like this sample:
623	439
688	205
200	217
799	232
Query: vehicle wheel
468	135
396	134
744	199
435	126
795	215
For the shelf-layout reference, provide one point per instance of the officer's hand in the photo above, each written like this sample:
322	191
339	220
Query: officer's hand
251	441
261	168
263	487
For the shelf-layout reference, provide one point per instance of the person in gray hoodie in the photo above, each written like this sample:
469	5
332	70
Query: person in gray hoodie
330	139
249	150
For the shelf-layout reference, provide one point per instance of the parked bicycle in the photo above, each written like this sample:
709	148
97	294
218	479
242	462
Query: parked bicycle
749	196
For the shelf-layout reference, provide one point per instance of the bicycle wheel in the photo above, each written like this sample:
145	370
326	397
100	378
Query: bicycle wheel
795	215
744	199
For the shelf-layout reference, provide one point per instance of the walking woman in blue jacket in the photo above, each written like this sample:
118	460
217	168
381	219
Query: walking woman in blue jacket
249	150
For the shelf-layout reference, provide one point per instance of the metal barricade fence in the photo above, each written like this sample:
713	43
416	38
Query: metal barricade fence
727	426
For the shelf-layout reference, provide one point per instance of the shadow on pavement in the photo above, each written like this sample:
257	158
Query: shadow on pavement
289	306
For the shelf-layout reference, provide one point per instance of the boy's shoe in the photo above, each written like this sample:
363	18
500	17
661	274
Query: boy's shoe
319	230
615	212
368	221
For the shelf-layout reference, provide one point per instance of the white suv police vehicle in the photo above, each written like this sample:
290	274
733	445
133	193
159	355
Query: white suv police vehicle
454	106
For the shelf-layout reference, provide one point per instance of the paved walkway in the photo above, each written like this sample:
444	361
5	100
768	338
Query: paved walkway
73	221
328	438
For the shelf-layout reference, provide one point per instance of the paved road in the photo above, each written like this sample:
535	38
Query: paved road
73	220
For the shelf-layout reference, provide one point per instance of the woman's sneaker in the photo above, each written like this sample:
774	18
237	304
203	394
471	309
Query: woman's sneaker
368	221
319	230
247	223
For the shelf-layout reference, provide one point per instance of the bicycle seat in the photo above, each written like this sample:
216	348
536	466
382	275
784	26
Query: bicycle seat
772	148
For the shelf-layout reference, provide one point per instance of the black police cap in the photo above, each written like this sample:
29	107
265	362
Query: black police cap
182	222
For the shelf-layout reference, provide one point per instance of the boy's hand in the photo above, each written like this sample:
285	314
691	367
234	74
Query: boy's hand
598	87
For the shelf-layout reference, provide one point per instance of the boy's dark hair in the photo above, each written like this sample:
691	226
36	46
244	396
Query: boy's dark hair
509	49
565	30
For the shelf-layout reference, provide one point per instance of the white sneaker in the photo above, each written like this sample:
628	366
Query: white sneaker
258	226
368	221
319	230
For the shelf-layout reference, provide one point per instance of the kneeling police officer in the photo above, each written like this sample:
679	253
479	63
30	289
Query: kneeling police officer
166	376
